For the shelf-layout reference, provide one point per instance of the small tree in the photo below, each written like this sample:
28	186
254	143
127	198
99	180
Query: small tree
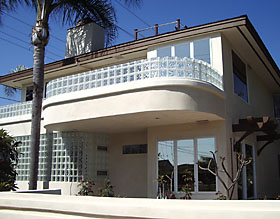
86	187
242	162
8	161
107	191
187	189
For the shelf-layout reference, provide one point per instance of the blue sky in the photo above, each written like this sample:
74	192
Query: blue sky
16	26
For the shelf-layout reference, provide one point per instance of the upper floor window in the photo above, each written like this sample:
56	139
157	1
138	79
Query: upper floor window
202	50
198	49
239	77
276	101
182	50
164	51
29	93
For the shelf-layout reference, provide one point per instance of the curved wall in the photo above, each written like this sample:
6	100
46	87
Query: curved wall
169	96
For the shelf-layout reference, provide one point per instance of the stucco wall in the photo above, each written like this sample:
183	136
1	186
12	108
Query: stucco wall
19	126
260	104
128	172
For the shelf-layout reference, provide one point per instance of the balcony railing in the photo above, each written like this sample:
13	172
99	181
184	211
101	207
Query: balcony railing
145	69
17	109
168	67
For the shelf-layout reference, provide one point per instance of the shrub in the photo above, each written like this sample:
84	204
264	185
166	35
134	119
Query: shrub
8	161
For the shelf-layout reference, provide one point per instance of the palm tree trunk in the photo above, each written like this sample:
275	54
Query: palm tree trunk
38	87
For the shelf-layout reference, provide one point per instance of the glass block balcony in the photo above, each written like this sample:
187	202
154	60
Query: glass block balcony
17	109
145	69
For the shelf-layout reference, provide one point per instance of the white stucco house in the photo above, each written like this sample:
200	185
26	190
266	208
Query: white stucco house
154	105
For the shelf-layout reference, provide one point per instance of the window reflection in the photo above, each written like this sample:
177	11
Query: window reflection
163	52
182	50
239	77
183	156
185	153
198	49
206	181
202	50
166	163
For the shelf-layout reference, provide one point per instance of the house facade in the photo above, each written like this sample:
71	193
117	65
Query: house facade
156	107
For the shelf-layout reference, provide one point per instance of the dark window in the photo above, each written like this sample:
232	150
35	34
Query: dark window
276	100
135	149
29	94
101	173
239	77
279	164
45	91
102	148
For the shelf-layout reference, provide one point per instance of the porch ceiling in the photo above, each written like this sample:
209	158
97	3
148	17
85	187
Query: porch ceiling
134	122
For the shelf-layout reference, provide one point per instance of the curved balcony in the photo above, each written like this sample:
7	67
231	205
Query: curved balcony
136	71
145	69
17	109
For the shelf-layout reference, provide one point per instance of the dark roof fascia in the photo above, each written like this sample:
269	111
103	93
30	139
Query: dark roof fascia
262	46
153	40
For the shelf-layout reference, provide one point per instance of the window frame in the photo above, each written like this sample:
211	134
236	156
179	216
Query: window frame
196	168
246	74
191	48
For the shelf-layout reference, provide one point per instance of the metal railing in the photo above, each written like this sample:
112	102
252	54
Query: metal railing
167	67
178	26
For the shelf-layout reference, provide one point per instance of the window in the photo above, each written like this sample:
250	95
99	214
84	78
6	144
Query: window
182	50
239	77
135	149
247	182
276	101
29	94
199	49
163	52
178	160
202	50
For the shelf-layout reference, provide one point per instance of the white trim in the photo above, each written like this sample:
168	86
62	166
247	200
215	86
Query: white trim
195	169
244	171
255	172
175	176
244	174
191	50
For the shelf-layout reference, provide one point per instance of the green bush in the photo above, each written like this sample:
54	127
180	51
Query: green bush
8	161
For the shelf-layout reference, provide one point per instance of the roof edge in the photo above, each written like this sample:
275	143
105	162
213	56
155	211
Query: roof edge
262	46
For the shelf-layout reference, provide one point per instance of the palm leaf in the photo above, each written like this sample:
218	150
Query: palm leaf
72	11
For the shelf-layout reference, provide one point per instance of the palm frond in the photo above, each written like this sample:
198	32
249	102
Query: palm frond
9	5
9	91
99	11
133	2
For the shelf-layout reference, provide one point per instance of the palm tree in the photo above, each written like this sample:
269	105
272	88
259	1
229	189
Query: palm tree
70	11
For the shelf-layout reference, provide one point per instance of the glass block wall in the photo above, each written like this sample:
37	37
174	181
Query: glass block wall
66	157
24	158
